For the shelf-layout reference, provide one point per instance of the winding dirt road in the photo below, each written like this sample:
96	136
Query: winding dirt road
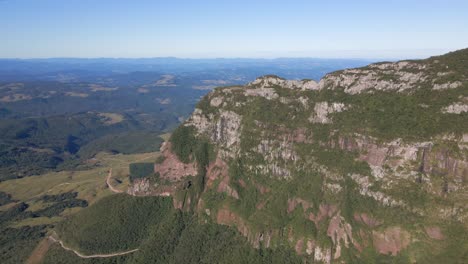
55	240
44	246
108	182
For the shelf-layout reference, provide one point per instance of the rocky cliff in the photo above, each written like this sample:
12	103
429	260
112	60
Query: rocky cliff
368	164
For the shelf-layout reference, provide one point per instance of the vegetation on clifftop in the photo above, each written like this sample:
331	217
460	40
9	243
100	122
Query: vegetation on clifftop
163	235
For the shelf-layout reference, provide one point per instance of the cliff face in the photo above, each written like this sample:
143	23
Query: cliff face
366	164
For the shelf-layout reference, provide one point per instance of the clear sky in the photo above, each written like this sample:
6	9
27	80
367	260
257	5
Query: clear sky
241	28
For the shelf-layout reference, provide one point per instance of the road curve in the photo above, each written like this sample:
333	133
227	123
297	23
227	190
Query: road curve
108	182
55	240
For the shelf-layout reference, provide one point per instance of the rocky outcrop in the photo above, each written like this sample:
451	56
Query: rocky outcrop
272	169
144	187
269	81
172	169
341	234
268	93
323	109
223	130
381	77
456	108
303	165
416	157
294	202
367	220
391	240
216	101
274	150
140	187
227	132
449	85
325	211
322	255
227	217
434	232
219	171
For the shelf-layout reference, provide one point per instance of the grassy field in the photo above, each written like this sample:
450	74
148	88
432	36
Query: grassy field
111	118
89	184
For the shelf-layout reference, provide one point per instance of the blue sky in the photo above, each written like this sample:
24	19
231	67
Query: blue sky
241	28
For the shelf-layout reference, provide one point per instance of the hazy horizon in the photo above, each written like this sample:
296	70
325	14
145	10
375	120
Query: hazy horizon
225	29
339	55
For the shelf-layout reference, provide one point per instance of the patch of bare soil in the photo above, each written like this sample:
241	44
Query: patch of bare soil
39	252
172	168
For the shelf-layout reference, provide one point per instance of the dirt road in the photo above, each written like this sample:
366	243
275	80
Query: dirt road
53	239
39	252
108	182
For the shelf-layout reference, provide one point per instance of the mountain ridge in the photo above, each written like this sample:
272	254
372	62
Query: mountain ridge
367	164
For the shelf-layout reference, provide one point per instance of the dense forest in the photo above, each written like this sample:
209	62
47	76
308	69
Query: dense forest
161	233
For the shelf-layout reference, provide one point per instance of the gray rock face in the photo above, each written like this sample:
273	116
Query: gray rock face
357	81
140	187
297	149
200	121
216	101
456	108
272	81
224	130
268	93
449	85
323	109
398	77
273	150
227	131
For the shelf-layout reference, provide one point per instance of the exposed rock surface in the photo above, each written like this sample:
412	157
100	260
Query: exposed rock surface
269	81
341	234
224	130
382	77
434	232
140	187
334	168
391	241
172	168
322	111
456	108
268	93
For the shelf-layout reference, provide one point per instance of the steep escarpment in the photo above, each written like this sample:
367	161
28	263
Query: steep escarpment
367	164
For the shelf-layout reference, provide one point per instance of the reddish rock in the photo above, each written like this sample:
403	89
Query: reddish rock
224	187
293	202
434	232
363	218
391	241
261	204
299	136
242	183
219	170
172	168
339	231
216	170
299	246
374	155
325	210
227	217
262	189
